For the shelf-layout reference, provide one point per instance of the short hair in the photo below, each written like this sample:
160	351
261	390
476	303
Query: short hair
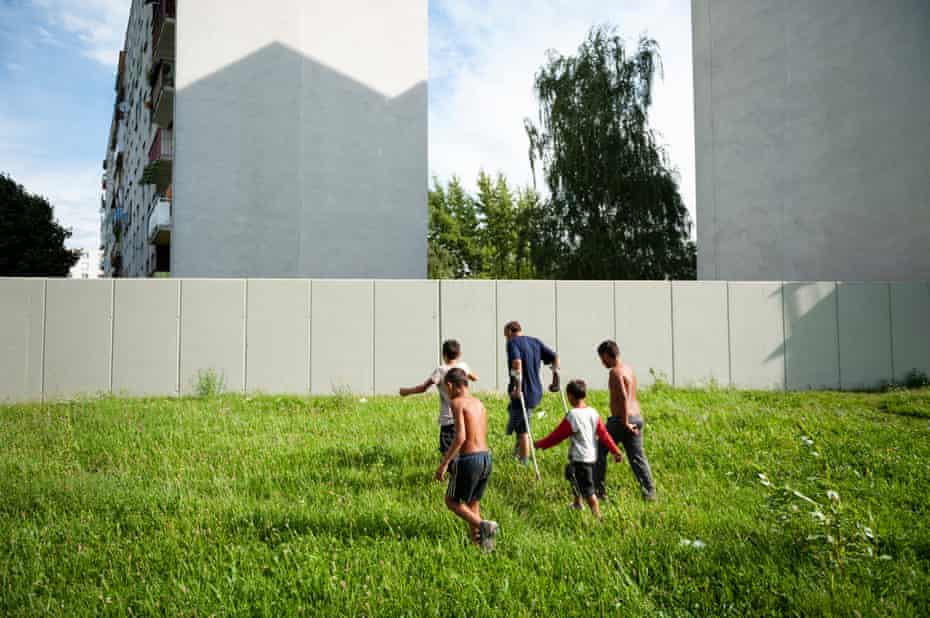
577	389
451	349
512	327
456	377
609	348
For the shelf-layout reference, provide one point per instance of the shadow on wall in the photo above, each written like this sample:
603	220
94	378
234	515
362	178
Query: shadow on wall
853	335
810	350
287	167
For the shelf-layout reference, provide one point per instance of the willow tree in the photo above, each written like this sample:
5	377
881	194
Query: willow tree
614	210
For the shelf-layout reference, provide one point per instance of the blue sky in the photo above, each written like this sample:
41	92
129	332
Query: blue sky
58	57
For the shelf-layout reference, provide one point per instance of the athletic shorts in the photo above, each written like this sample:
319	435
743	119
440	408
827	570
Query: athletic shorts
446	436
468	476
581	476
515	421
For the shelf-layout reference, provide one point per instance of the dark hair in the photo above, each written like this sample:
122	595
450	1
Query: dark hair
512	327
456	377
608	348
451	349
577	389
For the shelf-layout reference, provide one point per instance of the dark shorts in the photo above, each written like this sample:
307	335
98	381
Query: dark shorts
581	476
515	422
446	436
468	476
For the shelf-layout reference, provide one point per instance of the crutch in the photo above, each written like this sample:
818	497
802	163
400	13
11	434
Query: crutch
526	420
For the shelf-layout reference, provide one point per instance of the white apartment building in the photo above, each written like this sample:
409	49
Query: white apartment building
286	138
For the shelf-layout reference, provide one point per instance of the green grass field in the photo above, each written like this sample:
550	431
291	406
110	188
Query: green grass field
326	506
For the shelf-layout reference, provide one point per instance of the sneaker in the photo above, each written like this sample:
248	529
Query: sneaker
650	496
575	507
487	532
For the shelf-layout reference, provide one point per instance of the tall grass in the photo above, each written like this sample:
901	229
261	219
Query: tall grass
325	506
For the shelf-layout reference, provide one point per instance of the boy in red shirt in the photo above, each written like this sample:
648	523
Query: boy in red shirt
585	428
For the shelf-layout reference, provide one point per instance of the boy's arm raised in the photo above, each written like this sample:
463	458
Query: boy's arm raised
560	433
416	390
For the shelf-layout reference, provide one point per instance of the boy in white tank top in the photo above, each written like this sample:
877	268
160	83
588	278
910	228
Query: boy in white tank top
451	353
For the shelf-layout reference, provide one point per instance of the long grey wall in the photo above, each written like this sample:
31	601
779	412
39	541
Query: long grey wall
812	141
66	338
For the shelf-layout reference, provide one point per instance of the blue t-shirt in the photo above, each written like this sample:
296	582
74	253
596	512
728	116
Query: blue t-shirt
531	352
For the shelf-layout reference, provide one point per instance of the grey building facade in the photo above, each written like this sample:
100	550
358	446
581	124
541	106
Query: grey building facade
812	137
288	138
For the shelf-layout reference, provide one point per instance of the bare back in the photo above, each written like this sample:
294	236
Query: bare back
623	387
472	419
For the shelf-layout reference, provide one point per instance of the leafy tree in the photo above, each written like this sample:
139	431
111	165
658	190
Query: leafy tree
488	235
32	243
454	239
614	210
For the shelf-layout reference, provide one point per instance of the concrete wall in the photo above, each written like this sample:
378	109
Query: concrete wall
812	141
301	139
699	325
66	338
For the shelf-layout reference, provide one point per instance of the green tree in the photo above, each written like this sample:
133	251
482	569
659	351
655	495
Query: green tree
32	243
614	210
453	237
494	203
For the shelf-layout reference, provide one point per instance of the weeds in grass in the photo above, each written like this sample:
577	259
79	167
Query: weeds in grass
210	383
824	526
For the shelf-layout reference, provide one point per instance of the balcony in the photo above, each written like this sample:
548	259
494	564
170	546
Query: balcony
160	223
163	95
161	158
164	15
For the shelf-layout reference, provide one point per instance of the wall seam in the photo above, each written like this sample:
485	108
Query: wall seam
44	329
839	339
671	321
894	375
729	339
177	382
555	314
784	338
374	332
613	306
439	319
497	324
112	327
245	336
309	318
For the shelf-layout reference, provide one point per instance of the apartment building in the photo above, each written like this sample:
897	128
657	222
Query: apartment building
286	138
812	139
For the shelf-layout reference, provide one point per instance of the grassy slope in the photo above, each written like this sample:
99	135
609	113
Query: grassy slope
325	505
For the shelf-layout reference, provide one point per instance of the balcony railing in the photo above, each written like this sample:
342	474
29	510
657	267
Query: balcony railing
161	154
160	222
162	148
163	95
164	13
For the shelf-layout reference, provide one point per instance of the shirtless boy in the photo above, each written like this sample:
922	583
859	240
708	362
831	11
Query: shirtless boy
625	424
468	460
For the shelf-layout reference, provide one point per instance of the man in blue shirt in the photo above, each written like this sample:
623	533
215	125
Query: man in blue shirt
524	357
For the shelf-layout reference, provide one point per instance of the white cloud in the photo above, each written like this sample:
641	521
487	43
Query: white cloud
100	25
483	58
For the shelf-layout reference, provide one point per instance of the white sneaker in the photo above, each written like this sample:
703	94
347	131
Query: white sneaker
487	532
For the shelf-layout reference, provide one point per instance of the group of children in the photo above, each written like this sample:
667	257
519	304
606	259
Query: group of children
463	427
